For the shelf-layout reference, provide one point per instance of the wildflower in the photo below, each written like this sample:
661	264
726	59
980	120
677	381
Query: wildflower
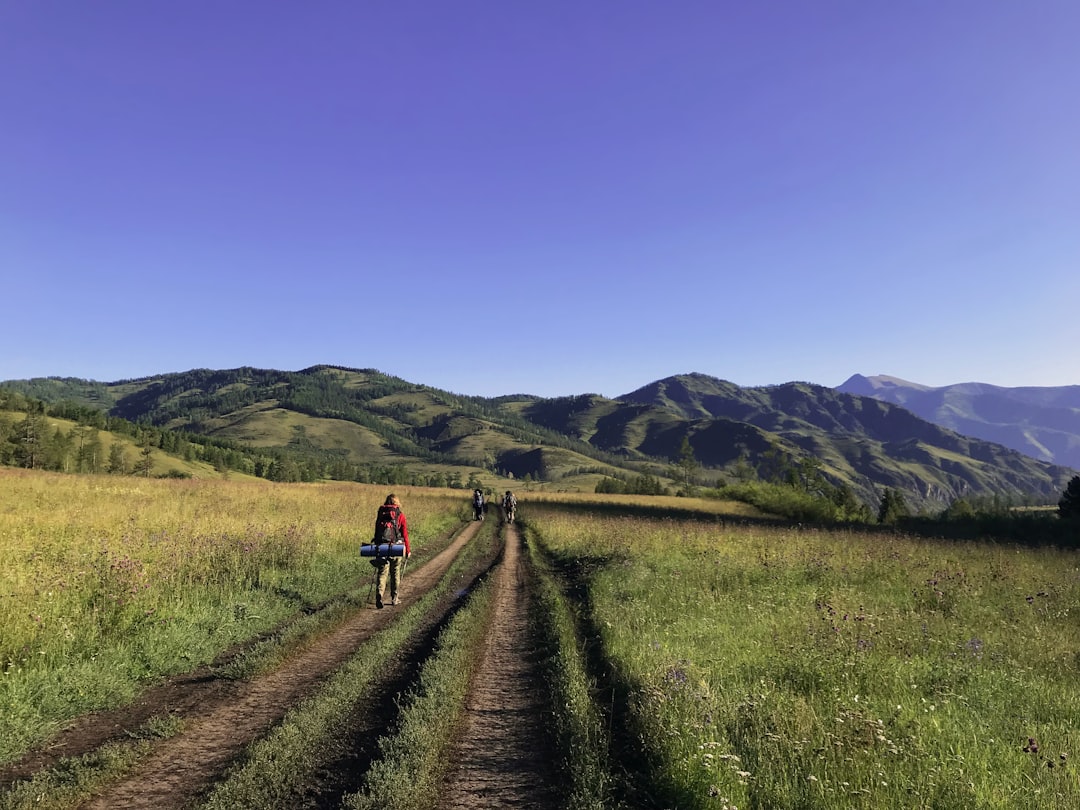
1032	747
676	675
811	778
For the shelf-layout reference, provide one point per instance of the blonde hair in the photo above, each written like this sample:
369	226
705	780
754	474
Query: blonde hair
392	500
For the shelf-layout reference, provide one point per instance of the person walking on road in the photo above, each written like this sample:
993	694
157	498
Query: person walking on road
390	527
509	505
478	504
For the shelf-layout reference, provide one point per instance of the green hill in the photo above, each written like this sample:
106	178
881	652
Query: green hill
346	423
362	424
861	441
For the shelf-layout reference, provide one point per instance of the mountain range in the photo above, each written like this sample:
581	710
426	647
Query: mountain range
1041	422
341	416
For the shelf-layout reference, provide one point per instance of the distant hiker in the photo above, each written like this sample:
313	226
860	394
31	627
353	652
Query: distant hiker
478	504
509	505
390	527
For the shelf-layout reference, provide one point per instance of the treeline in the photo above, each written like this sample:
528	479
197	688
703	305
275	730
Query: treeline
796	489
632	485
799	492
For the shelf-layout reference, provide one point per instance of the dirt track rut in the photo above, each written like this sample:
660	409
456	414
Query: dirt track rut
502	758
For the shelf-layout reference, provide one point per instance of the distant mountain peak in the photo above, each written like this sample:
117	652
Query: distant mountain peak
869	386
1042	422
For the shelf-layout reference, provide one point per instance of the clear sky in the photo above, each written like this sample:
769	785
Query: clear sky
549	197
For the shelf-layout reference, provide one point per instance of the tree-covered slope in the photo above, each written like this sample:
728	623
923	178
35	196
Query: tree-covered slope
862	441
352	416
340	418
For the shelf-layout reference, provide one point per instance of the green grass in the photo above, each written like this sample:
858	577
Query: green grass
414	757
111	583
782	668
758	666
277	427
268	653
76	779
580	731
275	767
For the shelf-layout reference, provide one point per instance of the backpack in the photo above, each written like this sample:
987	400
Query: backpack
386	525
478	499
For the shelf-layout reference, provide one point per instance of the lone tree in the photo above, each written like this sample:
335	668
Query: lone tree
893	507
686	467
1069	505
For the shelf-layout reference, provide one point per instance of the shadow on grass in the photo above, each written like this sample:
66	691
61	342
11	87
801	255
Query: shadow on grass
637	780
1029	530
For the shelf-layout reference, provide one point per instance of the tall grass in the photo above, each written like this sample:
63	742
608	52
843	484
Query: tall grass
771	668
106	584
581	735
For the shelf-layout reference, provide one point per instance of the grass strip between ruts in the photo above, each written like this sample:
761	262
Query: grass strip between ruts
415	758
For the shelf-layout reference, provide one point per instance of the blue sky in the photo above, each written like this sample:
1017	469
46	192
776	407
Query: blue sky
544	197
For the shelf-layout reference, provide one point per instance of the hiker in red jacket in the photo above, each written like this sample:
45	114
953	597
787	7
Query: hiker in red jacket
390	527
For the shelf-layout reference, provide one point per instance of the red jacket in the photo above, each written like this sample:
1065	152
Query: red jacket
402	524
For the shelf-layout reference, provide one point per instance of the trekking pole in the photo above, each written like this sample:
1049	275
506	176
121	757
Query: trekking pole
371	588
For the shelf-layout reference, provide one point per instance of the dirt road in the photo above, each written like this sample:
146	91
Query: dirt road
217	732
503	757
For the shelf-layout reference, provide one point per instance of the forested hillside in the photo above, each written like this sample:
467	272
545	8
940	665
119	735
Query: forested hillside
346	424
69	437
681	432
860	441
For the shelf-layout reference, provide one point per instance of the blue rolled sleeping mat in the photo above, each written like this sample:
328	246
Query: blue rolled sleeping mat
382	550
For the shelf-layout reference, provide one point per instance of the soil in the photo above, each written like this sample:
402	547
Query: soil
503	757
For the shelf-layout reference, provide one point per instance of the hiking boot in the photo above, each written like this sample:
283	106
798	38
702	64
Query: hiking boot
395	601
378	602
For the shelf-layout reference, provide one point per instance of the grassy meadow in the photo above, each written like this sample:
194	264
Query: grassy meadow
107	583
746	663
766	667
